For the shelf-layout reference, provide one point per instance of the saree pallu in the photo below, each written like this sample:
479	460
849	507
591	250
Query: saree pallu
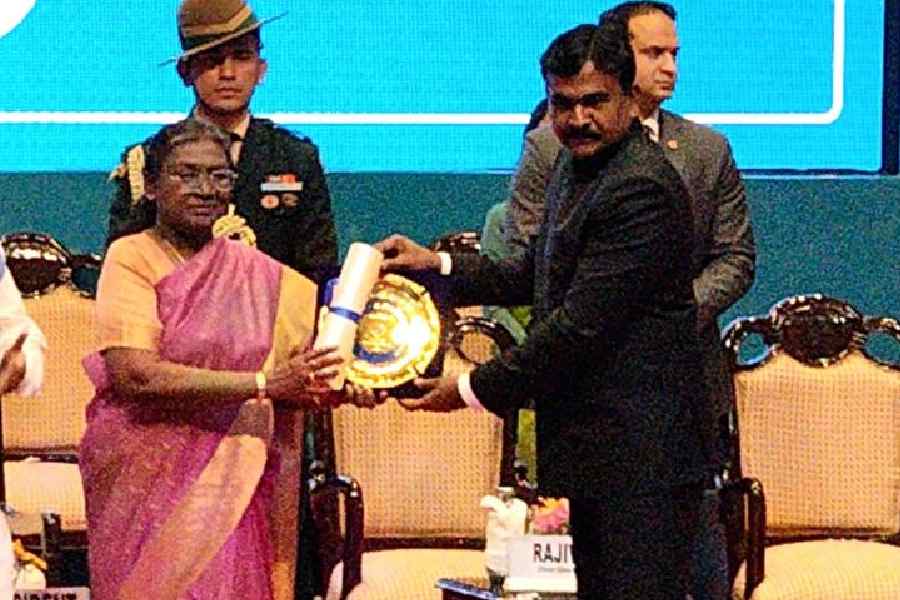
201	504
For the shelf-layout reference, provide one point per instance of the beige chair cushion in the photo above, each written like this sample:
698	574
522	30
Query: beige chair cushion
55	419
827	570
422	474
409	574
36	487
825	442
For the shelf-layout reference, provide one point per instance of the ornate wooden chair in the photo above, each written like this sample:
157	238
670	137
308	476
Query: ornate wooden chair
818	436
39	436
422	476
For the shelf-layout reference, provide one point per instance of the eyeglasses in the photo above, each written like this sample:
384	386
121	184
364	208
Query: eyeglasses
222	180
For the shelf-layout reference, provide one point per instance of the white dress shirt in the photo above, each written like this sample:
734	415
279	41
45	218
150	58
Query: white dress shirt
651	124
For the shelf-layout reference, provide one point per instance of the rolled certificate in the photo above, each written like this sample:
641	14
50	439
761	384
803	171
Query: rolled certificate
358	275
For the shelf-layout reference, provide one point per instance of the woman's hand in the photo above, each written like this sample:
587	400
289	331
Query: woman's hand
302	382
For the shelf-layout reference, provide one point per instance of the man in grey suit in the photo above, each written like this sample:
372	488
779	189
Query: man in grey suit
702	156
612	357
528	187
724	253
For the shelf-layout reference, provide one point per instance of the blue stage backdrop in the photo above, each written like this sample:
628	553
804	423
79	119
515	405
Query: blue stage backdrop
438	86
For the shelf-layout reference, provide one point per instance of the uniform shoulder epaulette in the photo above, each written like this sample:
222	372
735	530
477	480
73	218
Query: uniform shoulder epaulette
135	160
132	168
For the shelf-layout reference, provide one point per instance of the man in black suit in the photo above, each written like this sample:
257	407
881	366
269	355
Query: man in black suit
612	359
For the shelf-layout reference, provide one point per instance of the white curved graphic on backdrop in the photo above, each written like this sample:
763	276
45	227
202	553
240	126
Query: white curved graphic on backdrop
772	118
13	12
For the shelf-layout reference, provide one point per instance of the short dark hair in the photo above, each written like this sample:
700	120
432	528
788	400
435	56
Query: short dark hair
568	52
171	136
606	45
636	8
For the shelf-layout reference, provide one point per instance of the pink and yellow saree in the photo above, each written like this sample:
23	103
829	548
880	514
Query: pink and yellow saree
194	504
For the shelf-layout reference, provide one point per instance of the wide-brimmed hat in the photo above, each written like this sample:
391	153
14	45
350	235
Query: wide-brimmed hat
204	24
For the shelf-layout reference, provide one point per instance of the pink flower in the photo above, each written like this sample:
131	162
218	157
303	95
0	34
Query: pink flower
550	516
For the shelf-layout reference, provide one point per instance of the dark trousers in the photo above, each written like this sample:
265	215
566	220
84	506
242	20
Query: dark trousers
635	548
710	559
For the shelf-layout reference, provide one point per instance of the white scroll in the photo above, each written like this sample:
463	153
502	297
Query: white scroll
358	275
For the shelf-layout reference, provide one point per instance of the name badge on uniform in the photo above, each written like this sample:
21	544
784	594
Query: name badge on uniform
281	183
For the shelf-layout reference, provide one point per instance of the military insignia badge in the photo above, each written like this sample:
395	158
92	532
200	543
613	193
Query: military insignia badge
234	227
269	201
290	200
134	161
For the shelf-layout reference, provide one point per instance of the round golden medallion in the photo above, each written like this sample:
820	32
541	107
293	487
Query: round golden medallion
398	334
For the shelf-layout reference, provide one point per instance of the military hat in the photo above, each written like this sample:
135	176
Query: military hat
204	24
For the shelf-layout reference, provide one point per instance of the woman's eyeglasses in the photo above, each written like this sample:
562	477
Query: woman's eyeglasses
221	180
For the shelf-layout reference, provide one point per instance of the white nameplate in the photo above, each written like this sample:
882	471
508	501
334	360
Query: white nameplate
76	593
541	563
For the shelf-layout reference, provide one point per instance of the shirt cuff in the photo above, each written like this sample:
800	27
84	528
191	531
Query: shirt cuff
464	385
446	263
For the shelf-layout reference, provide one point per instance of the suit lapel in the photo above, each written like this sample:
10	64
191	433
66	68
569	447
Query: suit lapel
671	139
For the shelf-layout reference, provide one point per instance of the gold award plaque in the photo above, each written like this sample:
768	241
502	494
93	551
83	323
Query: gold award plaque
398	334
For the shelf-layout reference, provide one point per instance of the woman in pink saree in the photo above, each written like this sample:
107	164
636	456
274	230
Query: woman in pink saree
191	456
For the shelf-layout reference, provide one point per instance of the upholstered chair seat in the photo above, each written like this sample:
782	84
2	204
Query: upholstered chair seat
818	423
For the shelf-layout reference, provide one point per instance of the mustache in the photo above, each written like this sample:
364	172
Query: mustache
583	133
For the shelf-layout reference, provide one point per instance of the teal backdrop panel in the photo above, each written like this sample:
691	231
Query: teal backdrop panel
838	236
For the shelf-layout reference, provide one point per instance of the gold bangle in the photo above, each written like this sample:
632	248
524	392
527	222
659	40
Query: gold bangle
260	385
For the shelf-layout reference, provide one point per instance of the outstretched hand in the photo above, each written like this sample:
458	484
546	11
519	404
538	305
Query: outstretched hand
402	253
12	366
442	395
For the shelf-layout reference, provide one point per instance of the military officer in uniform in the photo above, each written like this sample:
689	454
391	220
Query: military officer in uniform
281	198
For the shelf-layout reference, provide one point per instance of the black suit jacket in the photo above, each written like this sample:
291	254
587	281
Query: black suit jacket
612	359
